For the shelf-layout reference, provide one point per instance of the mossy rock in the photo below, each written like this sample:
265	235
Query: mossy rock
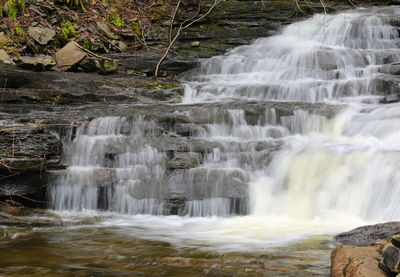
109	66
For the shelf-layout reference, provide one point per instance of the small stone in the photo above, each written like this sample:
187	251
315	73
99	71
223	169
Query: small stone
195	44
3	38
41	35
122	45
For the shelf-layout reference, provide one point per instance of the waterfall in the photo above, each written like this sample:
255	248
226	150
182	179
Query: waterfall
290	126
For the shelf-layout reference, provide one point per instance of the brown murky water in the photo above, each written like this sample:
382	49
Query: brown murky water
131	247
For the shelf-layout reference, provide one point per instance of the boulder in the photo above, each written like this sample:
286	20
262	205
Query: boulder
369	234
68	56
356	261
35	63
41	35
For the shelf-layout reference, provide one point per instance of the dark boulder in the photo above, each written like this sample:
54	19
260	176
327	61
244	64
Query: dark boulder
391	260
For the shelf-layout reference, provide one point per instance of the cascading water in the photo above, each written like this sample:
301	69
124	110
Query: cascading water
293	135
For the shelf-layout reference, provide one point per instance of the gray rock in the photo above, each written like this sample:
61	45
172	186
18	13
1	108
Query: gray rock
41	35
183	160
33	148
89	64
146	63
392	69
366	235
106	31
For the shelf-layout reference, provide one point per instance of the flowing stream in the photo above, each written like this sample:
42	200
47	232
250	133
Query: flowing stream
280	145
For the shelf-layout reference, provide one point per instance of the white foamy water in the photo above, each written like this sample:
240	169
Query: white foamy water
321	158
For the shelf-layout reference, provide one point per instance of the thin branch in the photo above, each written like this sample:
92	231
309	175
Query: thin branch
186	24
93	54
172	21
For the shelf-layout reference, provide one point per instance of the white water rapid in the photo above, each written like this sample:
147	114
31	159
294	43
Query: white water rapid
294	135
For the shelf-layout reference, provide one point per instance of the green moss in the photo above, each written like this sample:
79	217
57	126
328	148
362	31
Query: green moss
211	26
86	45
160	13
196	51
50	97
160	85
135	27
12	8
68	30
116	20
95	85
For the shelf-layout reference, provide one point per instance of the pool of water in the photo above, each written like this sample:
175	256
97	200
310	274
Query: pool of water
106	244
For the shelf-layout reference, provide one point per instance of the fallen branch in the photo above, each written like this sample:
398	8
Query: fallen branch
91	53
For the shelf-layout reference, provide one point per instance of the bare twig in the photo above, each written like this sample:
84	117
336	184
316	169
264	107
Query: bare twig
186	24
27	198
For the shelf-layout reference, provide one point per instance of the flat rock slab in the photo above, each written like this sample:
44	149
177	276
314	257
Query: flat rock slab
69	55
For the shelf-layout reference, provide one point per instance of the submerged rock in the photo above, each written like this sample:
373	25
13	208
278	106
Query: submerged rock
25	217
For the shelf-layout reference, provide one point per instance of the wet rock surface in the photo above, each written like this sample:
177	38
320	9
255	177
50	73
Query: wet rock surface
368	251
367	235
357	261
41	109
18	216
